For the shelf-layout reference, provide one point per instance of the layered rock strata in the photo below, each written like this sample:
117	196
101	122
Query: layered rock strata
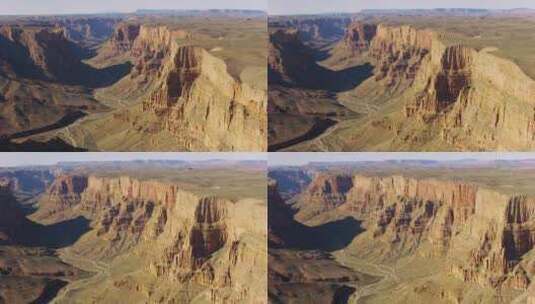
488	233
123	37
472	99
359	36
43	53
195	95
204	241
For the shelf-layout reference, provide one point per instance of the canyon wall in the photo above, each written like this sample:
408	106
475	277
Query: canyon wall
487	235
29	181
359	36
290	61
210	242
37	68
123	37
12	219
471	98
193	94
314	29
41	53
87	31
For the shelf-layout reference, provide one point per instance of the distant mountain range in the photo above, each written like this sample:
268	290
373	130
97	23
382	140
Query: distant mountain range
204	13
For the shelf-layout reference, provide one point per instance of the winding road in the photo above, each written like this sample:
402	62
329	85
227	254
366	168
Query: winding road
101	271
388	274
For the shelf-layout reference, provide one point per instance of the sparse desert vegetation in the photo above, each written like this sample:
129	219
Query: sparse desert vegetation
402	80
134	231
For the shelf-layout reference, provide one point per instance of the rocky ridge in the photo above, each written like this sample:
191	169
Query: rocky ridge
193	239
290	61
193	94
40	69
469	95
487	235
43	53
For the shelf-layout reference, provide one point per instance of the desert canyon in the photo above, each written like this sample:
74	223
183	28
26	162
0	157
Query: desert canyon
146	81
102	232
402	80
402	232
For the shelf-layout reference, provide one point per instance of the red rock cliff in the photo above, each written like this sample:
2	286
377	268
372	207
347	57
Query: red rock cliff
492	233
197	99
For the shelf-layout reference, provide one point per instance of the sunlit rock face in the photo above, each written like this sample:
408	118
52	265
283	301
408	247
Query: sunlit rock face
196	97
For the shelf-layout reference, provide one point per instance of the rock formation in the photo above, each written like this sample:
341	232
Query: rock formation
290	62
314	29
192	93
38	53
457	92
359	36
37	68
87	31
434	217
123	37
425	93
191	240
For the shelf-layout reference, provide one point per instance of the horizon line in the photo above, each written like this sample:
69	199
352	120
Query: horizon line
129	12
133	160
399	9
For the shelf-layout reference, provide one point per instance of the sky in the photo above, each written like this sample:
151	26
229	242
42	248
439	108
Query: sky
47	7
27	159
297	159
274	159
281	7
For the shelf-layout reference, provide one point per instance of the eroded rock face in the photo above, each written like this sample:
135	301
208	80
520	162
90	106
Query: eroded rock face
330	189
43	53
399	53
86	30
472	98
41	70
195	95
290	62
64	193
209	228
196	243
489	231
190	239
359	36
124	36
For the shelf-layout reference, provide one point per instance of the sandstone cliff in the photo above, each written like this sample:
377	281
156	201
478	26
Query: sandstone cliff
454	97
291	62
325	192
37	68
123	37
192	93
210	243
485	234
38	53
358	37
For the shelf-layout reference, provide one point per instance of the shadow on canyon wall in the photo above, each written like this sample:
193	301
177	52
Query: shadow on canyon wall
328	237
317	77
